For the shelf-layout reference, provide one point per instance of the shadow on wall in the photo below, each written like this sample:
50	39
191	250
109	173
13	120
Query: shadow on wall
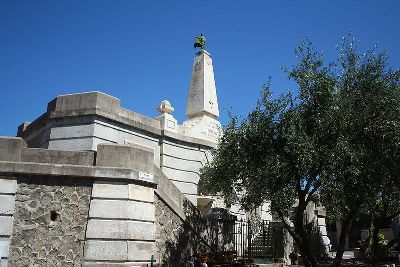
178	240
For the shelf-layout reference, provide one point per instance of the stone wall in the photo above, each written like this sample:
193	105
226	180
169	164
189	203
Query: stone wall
49	221
83	121
179	239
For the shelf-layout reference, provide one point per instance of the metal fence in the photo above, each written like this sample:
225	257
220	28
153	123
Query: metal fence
252	239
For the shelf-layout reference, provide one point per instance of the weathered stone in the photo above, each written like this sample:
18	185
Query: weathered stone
112	229
141	193
89	100
138	250
8	186
49	233
123	156
141	211
11	148
6	224
113	209
58	156
106	250
141	230
7	203
110	190
4	244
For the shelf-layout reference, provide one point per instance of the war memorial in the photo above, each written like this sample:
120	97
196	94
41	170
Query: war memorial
90	183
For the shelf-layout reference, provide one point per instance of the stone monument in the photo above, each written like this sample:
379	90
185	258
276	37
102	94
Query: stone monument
202	104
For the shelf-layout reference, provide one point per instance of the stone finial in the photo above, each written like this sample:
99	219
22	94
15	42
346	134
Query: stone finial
165	107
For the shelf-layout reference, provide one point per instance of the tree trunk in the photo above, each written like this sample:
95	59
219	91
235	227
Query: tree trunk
342	239
306	248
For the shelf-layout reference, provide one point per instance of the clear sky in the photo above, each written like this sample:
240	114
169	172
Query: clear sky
142	51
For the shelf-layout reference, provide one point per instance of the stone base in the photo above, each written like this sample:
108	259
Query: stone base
202	127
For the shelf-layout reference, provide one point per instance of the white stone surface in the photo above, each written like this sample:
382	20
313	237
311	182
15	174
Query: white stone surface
8	186
120	230
140	250
85	143
202	93
141	193
168	122
6	224
141	230
7	204
323	231
110	190
113	209
181	164
71	131
321	221
202	127
186	188
181	175
112	229
106	250
183	152
141	211
4	245
3	262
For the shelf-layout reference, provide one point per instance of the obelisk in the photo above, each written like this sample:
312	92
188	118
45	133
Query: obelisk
202	104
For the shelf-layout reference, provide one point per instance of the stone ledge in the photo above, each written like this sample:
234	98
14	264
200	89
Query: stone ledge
39	155
103	173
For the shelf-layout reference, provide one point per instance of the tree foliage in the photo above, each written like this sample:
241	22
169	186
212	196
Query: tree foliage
338	139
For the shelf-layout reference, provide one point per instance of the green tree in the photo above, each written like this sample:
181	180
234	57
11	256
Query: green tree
338	138
277	152
364	164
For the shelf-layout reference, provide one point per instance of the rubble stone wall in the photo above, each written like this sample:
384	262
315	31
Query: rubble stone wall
49	221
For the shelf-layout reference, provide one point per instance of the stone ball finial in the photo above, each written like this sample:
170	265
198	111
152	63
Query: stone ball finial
165	107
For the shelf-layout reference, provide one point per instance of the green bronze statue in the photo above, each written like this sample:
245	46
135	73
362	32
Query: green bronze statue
200	41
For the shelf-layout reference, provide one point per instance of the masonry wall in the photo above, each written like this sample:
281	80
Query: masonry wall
83	121
49	221
81	208
179	239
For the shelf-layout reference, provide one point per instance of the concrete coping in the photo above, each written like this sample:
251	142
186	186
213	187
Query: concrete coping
92	172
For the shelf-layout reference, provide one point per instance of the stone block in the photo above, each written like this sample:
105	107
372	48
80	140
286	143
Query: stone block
186	188
123	156
322	229
140	251
71	131
85	143
111	229
8	186
141	211
110	190
141	230
112	209
11	148
321	221
192	199
183	152
3	262
6	225
4	247
141	193
88	100
180	175
182	164
7	204
105	250
58	156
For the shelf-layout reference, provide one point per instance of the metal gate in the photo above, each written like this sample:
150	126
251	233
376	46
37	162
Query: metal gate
257	241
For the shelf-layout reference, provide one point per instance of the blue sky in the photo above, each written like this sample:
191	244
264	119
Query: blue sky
142	51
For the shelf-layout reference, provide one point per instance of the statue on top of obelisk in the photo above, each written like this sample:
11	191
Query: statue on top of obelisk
200	41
